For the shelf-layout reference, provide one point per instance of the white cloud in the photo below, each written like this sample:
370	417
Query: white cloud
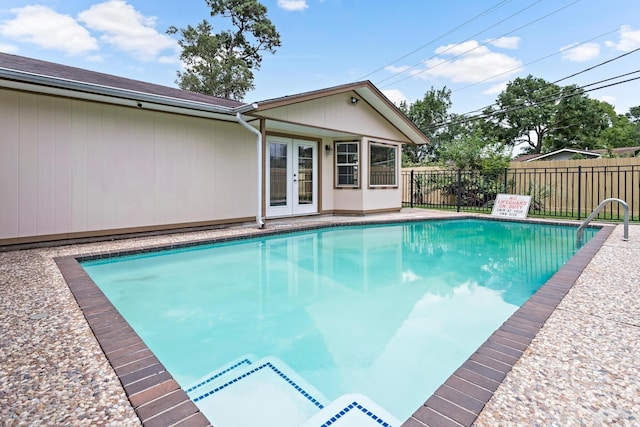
496	89
629	39
506	42
577	53
293	5
395	96
397	70
609	99
470	62
127	29
95	58
8	48
47	28
169	59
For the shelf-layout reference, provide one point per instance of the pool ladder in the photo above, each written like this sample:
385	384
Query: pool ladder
597	210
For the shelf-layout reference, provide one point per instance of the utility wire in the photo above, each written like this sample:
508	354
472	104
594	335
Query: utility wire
496	6
541	59
454	45
579	90
598	65
472	49
559	80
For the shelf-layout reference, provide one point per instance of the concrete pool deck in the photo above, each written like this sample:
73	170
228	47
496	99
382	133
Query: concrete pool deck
580	369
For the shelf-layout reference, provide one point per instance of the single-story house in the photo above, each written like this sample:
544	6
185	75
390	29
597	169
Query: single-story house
86	154
571	153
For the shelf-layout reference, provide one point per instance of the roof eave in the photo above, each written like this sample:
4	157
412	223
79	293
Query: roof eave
376	98
21	80
367	91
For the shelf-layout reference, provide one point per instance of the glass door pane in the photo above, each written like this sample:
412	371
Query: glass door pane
305	175
277	174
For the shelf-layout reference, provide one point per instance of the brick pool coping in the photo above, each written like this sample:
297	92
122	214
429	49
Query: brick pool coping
158	399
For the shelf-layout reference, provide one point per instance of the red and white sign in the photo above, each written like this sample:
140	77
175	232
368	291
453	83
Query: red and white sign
511	206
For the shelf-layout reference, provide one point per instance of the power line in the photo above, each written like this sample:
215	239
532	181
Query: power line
466	40
472	49
496	6
538	60
578	90
598	65
564	78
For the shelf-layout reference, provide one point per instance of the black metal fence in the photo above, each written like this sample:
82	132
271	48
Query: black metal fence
567	192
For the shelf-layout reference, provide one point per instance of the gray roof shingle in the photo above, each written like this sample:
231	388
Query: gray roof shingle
50	69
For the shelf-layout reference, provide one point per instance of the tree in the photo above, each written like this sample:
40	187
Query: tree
431	110
623	132
634	116
524	112
483	162
473	151
222	64
546	116
578	121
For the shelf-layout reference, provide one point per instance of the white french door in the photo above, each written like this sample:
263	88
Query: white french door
292	176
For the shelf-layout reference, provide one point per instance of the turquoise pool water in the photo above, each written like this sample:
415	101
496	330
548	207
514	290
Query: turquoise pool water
388	311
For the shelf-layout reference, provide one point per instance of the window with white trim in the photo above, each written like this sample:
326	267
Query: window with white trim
383	165
347	156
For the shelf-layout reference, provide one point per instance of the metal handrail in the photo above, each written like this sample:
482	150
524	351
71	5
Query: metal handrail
597	210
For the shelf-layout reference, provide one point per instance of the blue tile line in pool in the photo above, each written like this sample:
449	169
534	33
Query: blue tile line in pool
355	405
218	375
256	369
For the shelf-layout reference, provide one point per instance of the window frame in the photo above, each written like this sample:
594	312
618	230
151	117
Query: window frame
396	150
358	164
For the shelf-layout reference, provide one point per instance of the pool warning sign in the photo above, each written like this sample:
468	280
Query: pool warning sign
511	206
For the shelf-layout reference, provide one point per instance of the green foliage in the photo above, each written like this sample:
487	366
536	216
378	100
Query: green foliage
623	132
544	116
578	121
539	193
548	117
524	112
431	110
472	151
634	115
481	163
222	64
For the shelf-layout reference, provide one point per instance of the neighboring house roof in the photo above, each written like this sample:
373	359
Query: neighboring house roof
620	151
525	157
365	91
570	151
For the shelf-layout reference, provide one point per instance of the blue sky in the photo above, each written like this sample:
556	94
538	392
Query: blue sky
405	47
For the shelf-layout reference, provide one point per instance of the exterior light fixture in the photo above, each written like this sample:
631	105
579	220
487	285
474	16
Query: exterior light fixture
327	149
354	100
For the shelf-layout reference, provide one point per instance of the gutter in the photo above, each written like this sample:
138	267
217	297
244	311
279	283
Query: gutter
255	131
13	79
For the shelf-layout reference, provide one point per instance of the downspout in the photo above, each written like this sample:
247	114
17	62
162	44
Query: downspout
250	128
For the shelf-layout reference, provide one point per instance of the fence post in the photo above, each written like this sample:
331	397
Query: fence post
411	186
506	171
579	191
459	195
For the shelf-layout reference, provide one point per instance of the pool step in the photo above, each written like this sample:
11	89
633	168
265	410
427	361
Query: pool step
352	410
228	369
266	392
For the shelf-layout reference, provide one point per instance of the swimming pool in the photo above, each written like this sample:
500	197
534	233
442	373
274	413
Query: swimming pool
346	309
